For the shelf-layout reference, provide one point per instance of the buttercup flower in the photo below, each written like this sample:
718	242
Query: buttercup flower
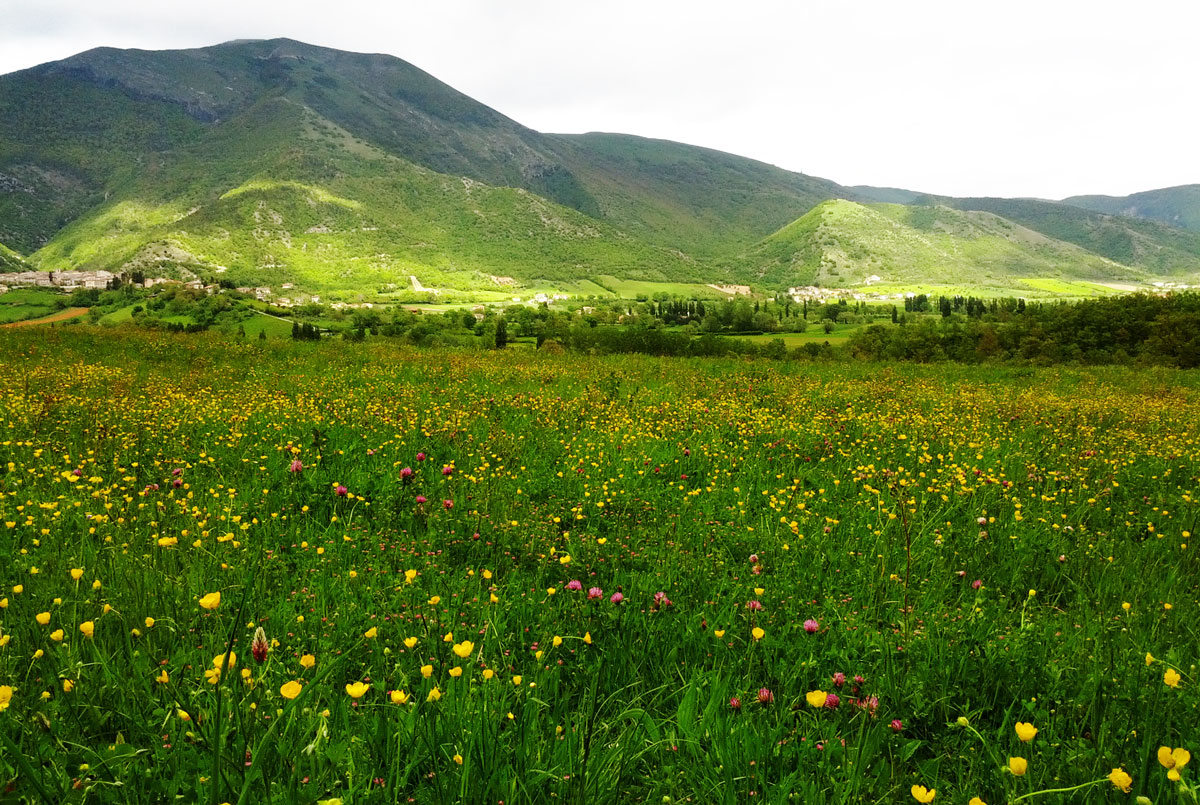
211	601
816	698
357	689
1026	732
1171	678
399	697
290	690
1018	766
1173	760
922	794
1120	779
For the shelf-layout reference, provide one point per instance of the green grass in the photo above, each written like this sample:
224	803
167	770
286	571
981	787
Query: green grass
982	546
1065	288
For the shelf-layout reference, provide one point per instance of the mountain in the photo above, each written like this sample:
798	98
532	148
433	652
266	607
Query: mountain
844	243
682	196
272	161
125	158
1175	206
1144	244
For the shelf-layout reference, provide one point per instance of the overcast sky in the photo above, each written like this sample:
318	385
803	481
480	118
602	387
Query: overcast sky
1044	98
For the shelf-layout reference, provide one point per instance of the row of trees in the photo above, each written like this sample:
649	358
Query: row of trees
1159	330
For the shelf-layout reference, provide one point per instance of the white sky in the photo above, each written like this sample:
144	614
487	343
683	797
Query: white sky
1043	98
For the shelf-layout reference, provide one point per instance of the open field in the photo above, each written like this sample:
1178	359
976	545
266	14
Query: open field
51	318
531	577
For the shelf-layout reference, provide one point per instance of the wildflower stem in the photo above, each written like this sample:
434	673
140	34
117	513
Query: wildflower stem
1058	790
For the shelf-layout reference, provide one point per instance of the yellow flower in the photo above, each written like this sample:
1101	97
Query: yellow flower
1120	779
757	633
426	671
719	632
458	758
1018	766
587	638
6	693
488	673
42	618
77	573
149	623
290	690
410	576
962	721
448	637
549	591
556	642
1026	732
308	661
399	697
68	686
922	794
211	601
1149	658
371	633
1171	678
1173	760
464	649
456	672
219	660
517	679
57	635
434	695
976	801
759	590
88	628
816	698
332	801
434	600
487	574
1125	606
356	689
409	642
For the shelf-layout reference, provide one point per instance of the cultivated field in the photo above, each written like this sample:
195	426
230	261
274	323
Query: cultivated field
530	578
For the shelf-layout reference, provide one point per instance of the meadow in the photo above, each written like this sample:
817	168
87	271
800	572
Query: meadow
518	577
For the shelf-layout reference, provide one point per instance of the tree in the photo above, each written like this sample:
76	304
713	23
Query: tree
501	333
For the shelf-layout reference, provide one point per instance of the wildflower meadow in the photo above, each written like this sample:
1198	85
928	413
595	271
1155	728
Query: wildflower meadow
322	572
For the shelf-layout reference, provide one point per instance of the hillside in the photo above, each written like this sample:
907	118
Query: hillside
279	194
703	201
1174	206
1144	244
11	261
842	243
172	119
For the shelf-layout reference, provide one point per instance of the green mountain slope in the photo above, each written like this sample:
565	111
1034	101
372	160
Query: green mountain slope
279	194
11	261
682	196
1145	244
1175	206
842	243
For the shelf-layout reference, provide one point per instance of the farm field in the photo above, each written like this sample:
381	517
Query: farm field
527	577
